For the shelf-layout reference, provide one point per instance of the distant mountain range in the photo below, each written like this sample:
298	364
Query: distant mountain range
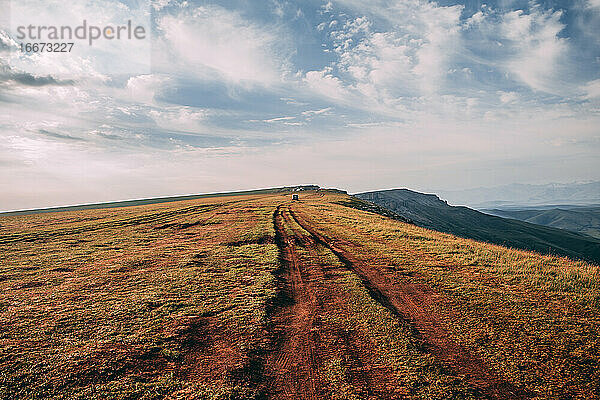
519	195
584	220
428	211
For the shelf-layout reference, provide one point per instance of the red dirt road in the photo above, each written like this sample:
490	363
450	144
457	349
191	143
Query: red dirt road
303	344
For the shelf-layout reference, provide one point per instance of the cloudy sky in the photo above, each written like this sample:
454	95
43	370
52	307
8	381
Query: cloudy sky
352	94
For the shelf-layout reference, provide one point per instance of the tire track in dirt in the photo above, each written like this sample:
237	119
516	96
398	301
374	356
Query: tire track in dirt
294	368
290	367
369	378
409	302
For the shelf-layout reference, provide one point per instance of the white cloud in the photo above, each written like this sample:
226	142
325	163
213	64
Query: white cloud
327	7
143	88
528	45
327	85
592	89
214	43
440	29
374	124
429	33
160	4
289	100
317	112
382	70
278	119
475	19
594	3
183	119
278	9
84	61
539	49
380	62
508	97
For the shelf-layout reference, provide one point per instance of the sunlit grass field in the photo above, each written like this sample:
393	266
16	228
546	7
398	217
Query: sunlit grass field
185	300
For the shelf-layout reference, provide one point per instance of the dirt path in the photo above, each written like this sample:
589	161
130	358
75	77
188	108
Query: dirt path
412	302
297	367
292	365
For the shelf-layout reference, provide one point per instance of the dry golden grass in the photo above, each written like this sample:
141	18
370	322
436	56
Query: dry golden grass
98	304
534	318
175	300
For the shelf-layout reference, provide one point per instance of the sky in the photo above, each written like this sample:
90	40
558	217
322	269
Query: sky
357	95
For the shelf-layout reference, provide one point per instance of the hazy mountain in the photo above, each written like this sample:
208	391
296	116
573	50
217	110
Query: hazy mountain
518	195
428	211
584	220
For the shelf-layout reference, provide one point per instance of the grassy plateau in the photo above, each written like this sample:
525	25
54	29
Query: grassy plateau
256	296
